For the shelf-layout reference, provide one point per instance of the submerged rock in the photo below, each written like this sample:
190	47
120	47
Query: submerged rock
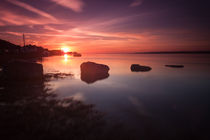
138	68
23	70
175	66
91	72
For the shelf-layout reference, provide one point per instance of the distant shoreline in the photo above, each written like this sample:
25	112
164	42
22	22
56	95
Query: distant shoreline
176	52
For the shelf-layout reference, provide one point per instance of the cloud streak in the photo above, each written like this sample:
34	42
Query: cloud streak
136	3
75	5
10	18
32	9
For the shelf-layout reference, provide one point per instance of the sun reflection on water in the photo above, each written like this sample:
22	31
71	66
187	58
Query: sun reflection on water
66	58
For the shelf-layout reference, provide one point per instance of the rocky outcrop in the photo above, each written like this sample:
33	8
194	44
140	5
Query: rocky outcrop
139	68
23	70
175	66
91	72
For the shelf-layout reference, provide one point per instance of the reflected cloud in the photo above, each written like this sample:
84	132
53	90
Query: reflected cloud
79	96
139	105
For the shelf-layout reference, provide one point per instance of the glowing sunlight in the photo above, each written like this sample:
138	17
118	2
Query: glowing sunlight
65	49
66	57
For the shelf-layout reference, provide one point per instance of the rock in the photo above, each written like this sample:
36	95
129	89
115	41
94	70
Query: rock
175	66
91	72
23	70
139	68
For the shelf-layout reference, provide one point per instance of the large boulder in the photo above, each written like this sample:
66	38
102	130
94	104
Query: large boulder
23	70
91	72
139	68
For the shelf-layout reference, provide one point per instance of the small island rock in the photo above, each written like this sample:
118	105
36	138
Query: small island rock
175	66
139	68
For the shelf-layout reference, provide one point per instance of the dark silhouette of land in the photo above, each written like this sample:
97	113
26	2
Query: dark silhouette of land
9	51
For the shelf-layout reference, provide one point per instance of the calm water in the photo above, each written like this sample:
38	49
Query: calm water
164	101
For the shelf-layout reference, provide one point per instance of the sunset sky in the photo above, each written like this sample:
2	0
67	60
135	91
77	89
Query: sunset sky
108	26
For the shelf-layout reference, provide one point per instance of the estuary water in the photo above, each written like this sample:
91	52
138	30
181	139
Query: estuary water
164	102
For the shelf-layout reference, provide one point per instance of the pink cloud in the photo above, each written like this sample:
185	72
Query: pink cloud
75	5
32	9
10	18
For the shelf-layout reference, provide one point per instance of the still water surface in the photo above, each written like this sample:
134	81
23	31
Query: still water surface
170	101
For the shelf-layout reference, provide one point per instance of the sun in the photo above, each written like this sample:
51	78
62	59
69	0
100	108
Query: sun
65	49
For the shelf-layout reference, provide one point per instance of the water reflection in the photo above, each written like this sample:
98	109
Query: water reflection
163	103
89	78
66	57
32	111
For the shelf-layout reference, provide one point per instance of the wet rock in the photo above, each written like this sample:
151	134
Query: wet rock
23	70
91	72
139	68
175	66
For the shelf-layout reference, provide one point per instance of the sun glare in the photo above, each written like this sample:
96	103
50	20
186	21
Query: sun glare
65	49
66	57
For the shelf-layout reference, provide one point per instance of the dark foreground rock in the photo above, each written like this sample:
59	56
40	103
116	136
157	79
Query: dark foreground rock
139	68
23	70
91	72
175	66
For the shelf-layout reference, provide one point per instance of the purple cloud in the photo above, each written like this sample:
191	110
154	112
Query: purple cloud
136	3
75	5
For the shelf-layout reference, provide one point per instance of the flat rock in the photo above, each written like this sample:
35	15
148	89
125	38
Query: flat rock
140	68
91	72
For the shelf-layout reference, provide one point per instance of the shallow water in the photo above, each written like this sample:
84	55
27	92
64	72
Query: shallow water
169	102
